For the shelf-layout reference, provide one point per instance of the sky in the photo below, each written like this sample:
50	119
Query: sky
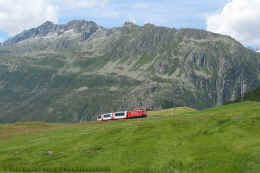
236	18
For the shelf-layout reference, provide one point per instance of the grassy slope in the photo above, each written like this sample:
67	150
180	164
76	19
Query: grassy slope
222	139
171	111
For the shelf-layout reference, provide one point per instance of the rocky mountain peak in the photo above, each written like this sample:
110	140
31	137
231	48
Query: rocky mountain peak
39	31
78	26
47	26
48	23
82	26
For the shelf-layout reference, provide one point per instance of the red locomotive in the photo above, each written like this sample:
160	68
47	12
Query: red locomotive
122	115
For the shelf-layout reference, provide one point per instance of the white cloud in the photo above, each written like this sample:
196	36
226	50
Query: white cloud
18	15
81	3
239	19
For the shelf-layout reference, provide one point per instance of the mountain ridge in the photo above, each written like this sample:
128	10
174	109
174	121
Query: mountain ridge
88	69
49	27
80	26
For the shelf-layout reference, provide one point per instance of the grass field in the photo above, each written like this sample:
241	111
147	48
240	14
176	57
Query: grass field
220	140
171	112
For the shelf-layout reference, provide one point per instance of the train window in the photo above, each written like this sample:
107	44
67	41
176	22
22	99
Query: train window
120	114
107	116
99	117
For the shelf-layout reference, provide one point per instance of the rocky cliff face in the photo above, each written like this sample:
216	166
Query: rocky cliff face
73	71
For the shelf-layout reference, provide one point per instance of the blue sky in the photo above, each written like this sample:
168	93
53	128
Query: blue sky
110	13
172	13
237	18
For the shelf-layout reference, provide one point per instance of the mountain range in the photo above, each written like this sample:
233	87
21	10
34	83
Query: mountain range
74	71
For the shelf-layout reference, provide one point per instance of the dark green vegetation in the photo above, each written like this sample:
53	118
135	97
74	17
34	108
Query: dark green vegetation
223	139
253	95
72	72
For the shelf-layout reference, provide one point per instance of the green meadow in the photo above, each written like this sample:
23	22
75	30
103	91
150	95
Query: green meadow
224	139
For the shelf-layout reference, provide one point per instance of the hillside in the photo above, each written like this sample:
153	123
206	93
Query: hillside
222	139
72	72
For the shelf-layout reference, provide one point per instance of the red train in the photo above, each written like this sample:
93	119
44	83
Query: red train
122	115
